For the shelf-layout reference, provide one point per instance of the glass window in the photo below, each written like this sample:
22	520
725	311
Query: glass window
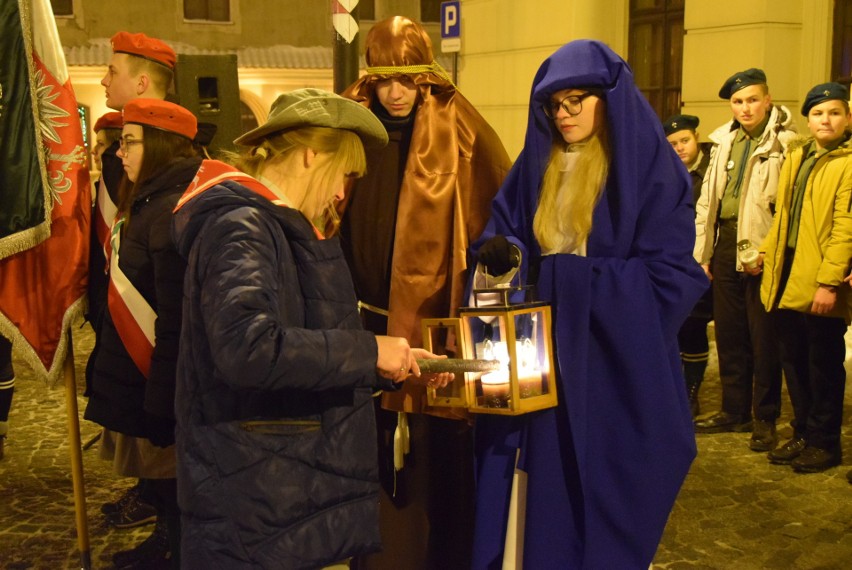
430	10
62	7
367	10
210	10
656	4
841	45
656	52
648	4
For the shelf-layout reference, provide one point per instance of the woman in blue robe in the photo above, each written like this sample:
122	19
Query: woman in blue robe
599	206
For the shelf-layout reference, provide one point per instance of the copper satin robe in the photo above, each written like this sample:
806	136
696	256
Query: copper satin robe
455	166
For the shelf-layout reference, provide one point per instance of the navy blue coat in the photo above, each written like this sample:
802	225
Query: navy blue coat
277	462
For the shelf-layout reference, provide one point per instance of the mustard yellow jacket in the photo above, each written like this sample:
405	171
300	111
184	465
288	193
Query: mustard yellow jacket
824	243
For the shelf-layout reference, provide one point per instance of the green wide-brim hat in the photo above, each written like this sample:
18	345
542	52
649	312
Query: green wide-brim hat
318	108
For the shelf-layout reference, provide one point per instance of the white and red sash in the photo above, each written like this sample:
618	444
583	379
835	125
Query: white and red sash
105	213
131	314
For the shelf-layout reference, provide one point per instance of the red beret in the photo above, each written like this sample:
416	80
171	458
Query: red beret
142	46
111	120
161	115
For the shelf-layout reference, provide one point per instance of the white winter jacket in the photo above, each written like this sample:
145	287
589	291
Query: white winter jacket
758	192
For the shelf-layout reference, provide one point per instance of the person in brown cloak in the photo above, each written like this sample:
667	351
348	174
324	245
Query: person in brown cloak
405	228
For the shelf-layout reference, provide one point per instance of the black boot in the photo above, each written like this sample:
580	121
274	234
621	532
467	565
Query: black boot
7	388
693	373
151	553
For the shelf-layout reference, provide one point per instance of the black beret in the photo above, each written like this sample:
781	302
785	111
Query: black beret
740	80
824	92
677	123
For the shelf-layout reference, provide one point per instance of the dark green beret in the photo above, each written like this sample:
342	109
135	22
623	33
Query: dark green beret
677	123
824	92
740	80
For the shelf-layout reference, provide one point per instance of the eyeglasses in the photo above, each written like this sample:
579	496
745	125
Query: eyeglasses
124	143
573	105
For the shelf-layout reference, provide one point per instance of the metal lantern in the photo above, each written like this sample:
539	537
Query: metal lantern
508	355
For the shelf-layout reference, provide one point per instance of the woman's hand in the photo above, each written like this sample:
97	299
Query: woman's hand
706	268
394	358
432	380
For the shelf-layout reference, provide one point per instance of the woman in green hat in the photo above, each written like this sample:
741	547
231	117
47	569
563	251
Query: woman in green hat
276	428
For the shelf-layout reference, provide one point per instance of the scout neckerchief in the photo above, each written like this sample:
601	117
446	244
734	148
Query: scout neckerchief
213	172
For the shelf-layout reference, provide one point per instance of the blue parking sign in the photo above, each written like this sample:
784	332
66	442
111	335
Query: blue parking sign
451	26
451	19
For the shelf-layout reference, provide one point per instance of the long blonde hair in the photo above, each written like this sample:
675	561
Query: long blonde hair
339	153
563	218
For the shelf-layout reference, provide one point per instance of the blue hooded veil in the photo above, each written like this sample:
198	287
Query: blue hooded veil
605	466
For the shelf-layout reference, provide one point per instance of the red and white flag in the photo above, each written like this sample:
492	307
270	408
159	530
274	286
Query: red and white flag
45	197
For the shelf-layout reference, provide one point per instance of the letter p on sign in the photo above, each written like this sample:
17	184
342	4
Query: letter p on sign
450	26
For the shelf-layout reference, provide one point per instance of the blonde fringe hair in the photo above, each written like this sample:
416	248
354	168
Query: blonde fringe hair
563	218
339	153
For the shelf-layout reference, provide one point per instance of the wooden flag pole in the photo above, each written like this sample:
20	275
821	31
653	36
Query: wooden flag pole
76	458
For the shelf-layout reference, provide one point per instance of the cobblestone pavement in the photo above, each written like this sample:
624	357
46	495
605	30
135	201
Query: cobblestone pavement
735	511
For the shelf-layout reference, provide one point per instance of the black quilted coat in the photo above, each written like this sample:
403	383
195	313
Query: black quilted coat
276	429
120	397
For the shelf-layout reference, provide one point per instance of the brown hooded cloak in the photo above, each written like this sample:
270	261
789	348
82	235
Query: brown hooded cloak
455	166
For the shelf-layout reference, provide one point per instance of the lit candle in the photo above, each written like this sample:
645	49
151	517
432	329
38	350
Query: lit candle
529	377
495	389
529	382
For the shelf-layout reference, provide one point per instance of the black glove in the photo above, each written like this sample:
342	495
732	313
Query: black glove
499	256
160	430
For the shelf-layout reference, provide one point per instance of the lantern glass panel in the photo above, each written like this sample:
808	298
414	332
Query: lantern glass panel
518	340
444	336
533	365
490	342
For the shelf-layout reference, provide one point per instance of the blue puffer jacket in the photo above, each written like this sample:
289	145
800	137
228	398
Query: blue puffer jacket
276	436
